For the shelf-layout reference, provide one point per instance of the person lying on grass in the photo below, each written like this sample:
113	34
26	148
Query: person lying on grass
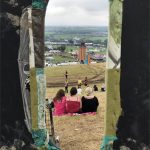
89	102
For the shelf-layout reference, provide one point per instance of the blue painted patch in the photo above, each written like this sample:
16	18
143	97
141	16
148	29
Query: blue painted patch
106	142
41	4
39	136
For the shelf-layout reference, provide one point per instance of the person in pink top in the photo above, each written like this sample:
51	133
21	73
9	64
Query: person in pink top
59	103
73	102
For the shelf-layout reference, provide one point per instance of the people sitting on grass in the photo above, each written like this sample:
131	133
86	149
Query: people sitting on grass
59	103
95	88
73	102
89	101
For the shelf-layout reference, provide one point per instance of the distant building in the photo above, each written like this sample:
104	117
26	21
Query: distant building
84	56
82	53
87	59
89	44
98	57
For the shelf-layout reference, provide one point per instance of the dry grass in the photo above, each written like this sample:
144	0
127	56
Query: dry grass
83	132
55	76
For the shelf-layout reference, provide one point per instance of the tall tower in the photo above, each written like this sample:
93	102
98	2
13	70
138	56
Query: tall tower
82	53
87	59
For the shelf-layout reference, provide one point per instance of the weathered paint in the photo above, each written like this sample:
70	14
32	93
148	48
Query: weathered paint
113	109
31	42
41	89
113	101
34	98
23	61
38	36
39	4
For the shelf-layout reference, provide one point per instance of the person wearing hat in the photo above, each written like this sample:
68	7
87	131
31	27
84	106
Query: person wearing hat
89	101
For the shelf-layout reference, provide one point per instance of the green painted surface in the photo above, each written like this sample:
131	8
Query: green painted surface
39	136
40	140
116	20
113	109
37	90
34	98
39	4
41	90
107	143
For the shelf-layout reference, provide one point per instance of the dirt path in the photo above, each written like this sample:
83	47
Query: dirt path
55	77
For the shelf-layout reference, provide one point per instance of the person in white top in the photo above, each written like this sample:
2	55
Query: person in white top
79	90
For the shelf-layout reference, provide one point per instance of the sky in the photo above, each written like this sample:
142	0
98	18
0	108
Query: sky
77	13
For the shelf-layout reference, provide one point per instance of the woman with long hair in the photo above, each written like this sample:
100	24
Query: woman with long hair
60	103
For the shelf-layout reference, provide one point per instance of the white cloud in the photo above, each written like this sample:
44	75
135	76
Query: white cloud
77	12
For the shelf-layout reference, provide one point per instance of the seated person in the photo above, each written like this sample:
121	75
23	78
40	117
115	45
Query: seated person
73	102
79	90
95	88
89	102
59	102
103	89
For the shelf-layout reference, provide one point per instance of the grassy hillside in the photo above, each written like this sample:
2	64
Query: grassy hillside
83	132
55	76
69	128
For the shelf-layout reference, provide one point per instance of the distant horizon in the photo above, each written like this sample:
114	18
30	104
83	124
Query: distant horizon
75	26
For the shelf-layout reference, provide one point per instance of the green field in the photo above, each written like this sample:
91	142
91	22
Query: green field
88	34
71	48
60	59
86	37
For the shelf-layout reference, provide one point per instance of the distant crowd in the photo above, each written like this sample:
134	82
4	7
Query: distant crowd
80	83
